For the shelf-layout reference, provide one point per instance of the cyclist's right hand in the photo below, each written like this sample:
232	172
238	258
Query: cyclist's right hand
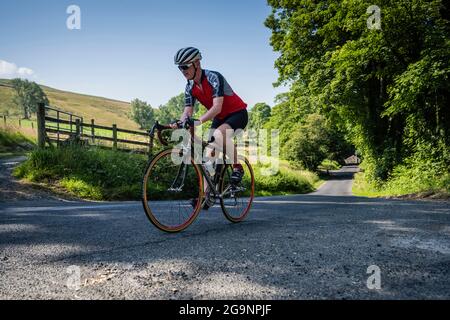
175	125
187	123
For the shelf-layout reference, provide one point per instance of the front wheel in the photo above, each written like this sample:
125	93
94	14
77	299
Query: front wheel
168	189
236	200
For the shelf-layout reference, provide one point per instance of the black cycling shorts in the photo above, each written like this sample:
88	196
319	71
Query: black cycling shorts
236	120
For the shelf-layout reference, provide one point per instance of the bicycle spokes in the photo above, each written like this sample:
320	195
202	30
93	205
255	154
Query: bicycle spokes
178	183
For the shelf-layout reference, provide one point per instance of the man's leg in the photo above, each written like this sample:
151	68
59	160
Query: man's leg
223	142
212	153
223	136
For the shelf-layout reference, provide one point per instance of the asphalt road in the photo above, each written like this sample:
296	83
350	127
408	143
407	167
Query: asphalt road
316	246
340	183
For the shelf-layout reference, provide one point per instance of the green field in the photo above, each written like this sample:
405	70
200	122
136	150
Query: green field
28	128
104	111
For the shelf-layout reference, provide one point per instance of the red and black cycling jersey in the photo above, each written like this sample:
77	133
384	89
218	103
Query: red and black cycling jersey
214	85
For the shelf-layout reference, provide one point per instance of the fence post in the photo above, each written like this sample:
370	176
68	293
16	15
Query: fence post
71	123
20	123
32	125
4	120
93	130
41	125
114	128
57	127
77	128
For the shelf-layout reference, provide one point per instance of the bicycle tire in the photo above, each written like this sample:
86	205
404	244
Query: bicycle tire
148	199
236	216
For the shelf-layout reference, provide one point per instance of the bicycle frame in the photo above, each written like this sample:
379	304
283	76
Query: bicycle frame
220	185
189	150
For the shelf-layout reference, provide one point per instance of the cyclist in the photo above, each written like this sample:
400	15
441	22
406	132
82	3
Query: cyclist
225	107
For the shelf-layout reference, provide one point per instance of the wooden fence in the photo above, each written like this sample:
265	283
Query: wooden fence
7	120
60	127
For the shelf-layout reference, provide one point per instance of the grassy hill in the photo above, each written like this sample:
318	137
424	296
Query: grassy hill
104	111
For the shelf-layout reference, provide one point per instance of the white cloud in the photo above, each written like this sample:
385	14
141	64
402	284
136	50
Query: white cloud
7	68
10	70
25	71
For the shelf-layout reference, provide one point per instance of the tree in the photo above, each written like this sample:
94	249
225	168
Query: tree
283	118
388	89
28	96
259	115
142	113
309	144
172	110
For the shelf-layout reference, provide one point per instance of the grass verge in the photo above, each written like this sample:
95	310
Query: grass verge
14	143
413	181
98	174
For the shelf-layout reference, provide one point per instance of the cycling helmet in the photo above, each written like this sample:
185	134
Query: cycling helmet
187	55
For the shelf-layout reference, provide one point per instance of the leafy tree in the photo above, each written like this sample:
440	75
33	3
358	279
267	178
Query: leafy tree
28	96
142	113
309	144
259	115
283	118
172	110
291	113
387	89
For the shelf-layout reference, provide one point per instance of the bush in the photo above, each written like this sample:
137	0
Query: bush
288	180
412	177
91	173
329	165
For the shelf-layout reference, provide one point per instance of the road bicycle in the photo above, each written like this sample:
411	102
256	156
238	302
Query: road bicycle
173	192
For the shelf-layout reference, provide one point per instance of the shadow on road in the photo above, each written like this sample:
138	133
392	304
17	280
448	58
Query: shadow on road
306	246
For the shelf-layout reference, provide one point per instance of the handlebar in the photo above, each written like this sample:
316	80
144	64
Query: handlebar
159	129
186	124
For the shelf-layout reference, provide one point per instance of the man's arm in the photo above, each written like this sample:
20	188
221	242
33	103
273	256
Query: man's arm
214	111
217	82
189	102
188	111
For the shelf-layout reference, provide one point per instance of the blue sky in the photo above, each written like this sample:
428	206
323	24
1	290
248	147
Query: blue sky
125	49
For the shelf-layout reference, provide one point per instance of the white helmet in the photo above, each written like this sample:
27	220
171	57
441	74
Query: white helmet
187	55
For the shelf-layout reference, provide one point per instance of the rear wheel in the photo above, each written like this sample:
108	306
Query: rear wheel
237	200
168	189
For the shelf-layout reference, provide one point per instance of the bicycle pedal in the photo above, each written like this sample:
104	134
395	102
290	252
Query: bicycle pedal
209	203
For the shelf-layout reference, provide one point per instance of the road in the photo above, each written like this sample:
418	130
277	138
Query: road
340	184
316	246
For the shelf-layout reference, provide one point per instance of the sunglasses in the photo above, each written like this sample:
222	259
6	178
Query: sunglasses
184	67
